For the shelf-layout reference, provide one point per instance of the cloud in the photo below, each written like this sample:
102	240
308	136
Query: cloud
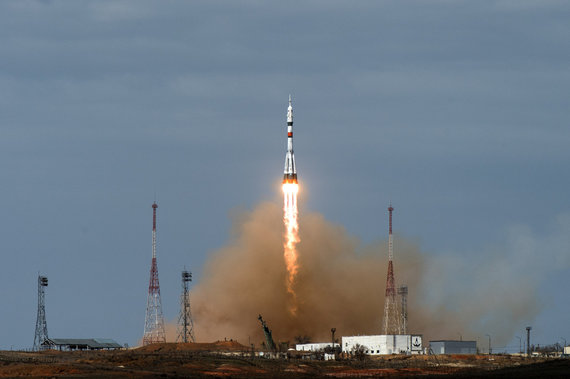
117	11
341	283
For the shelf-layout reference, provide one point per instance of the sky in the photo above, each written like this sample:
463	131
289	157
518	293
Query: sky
457	112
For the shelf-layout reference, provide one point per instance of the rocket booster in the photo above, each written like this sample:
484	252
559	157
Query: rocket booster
290	172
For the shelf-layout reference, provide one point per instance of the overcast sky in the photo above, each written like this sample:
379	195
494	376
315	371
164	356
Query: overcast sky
456	111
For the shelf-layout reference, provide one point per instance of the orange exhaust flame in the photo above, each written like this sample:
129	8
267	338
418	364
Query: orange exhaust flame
290	191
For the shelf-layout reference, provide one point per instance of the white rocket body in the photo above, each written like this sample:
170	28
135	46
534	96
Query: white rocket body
290	172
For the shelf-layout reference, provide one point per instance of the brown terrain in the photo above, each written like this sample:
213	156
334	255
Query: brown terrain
226	359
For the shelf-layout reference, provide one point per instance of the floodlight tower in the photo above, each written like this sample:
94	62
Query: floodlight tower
185	323
154	321
41	324
528	349
391	324
403	292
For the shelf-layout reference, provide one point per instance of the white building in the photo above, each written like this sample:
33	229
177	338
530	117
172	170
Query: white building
314	346
383	344
453	347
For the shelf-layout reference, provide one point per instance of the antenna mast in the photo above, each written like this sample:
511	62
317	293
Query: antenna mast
154	321
391	324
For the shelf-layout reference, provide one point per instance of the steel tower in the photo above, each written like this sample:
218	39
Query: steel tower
185	323
391	324
154	321
403	292
41	324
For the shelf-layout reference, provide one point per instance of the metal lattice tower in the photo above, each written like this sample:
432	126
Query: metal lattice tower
391	322
154	321
403	292
185	323
41	324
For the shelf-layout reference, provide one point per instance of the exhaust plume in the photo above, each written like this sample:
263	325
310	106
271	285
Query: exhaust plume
340	283
291	238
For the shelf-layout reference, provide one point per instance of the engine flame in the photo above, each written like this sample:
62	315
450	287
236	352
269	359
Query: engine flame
290	190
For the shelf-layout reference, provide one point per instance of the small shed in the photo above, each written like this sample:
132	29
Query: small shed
81	344
453	347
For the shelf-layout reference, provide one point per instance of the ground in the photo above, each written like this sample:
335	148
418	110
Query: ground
227	359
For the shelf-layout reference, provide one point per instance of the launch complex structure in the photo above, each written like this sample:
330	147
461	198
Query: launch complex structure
394	336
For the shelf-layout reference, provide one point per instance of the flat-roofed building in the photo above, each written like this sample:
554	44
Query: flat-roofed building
453	347
81	344
383	344
320	346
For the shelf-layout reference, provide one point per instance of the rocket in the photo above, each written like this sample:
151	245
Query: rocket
290	172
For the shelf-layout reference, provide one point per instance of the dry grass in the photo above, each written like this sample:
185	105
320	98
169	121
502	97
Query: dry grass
225	359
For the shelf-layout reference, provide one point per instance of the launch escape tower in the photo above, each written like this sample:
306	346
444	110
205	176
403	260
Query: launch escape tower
185	323
41	324
391	322
154	321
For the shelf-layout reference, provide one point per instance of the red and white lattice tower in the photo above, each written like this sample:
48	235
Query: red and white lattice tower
154	321
391	322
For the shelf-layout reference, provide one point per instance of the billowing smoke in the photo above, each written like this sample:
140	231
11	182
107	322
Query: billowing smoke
341	284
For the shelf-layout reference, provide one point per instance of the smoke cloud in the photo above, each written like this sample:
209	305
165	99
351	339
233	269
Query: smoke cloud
341	283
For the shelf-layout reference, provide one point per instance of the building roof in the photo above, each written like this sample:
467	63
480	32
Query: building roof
91	343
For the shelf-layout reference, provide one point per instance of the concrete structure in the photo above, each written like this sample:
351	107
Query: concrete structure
320	346
453	347
383	344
